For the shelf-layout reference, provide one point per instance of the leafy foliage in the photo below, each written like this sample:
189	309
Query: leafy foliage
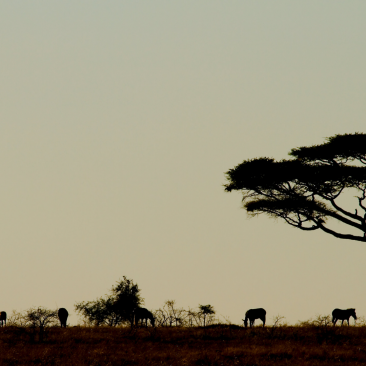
101	311
206	310
126	296
304	190
115	308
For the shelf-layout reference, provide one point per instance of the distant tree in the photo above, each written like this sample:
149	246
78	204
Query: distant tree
101	311
206	310
127	298
40	318
170	315
304	191
115	308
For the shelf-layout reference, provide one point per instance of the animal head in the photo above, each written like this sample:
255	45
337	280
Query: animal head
245	322
353	313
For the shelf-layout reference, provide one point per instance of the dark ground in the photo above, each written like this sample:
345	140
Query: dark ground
221	345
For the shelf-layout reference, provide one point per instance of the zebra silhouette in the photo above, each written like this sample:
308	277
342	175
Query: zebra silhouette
63	315
253	314
2	318
143	314
343	315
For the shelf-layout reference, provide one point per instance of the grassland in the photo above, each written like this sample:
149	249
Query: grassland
220	345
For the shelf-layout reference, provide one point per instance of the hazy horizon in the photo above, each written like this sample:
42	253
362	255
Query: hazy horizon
119	120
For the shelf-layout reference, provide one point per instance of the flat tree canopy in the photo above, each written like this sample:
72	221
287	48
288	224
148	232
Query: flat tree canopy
304	190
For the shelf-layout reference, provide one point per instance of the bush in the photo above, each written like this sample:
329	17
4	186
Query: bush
113	309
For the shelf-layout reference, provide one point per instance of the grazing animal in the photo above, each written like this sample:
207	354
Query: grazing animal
343	315
143	314
2	318
63	315
253	314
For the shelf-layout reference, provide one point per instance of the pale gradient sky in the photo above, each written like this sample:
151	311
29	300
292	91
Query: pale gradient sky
118	121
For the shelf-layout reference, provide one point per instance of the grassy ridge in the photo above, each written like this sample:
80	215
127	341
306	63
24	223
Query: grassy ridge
221	345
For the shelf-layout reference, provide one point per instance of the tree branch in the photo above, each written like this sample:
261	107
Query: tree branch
344	212
341	236
361	199
343	219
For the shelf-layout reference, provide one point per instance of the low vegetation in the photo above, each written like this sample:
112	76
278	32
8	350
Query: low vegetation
170	315
108	336
309	343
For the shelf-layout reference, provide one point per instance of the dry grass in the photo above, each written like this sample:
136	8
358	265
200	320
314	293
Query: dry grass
222	345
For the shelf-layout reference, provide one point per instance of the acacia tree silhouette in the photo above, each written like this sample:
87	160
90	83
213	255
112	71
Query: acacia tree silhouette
40	318
206	310
303	191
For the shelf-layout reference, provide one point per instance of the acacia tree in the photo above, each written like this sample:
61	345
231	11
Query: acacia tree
41	318
305	190
206	310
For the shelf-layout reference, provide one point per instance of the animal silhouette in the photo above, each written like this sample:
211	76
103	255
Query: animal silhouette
253	314
343	315
2	318
63	315
143	314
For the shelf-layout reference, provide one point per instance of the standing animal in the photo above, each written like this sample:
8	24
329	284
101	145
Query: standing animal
143	314
343	315
253	314
63	315
2	318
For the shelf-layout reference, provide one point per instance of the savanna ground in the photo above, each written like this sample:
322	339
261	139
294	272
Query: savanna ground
216	345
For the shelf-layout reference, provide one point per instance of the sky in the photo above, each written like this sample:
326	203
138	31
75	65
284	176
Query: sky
118	122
